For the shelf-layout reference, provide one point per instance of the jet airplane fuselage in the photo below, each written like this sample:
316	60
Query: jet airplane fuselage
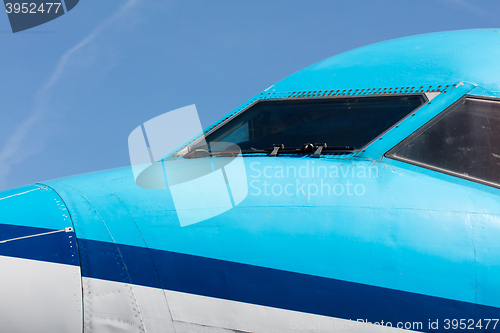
388	216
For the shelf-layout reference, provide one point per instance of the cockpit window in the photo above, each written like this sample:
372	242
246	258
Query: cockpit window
463	141
341	123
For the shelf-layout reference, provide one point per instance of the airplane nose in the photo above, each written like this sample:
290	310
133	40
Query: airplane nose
40	279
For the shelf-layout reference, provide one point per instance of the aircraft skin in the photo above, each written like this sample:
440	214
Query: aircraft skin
416	247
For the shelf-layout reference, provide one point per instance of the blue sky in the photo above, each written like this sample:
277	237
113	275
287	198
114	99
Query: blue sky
73	89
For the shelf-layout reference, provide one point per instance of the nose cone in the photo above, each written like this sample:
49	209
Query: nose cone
40	280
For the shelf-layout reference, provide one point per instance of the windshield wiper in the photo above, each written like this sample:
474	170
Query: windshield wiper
305	149
276	148
319	149
316	149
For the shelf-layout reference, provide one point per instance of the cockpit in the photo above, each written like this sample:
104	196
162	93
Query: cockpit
303	125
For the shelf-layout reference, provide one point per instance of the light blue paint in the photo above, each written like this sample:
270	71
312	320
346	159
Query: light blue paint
412	229
442	58
45	209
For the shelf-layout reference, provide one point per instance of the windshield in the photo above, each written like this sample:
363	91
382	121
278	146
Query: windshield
342	123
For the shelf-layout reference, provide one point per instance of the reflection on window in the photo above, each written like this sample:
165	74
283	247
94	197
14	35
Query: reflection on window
338	122
463	141
239	134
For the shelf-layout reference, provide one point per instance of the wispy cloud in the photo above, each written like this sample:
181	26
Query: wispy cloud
13	152
468	6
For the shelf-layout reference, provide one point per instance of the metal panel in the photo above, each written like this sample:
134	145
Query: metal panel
40	280
38	296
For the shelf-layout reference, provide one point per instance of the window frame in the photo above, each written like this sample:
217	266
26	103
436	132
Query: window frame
430	123
357	150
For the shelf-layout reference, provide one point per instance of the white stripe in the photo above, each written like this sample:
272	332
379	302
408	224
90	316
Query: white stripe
15	195
201	311
38	296
120	307
126	308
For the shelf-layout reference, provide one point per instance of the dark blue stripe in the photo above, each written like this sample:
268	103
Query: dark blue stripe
117	262
58	248
276	288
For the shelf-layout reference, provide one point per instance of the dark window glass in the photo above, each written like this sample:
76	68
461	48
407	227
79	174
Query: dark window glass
338	122
464	140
